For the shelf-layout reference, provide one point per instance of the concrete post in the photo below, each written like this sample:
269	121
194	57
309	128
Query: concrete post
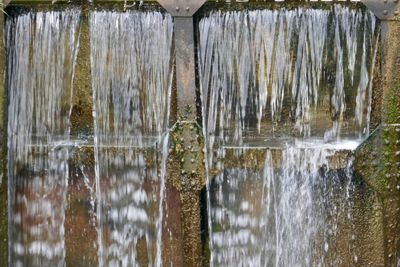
378	159
185	170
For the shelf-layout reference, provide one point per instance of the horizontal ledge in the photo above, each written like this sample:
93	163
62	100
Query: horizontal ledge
219	2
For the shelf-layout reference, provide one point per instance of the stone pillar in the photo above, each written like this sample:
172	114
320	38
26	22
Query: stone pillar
378	159
78	218
186	179
185	170
390	172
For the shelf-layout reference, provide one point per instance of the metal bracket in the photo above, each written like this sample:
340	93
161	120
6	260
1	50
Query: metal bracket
182	11
383	9
181	8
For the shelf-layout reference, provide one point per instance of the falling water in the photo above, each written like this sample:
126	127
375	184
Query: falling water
131	87
288	67
42	49
295	84
286	214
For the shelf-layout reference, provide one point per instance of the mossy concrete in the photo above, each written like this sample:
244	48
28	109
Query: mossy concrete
254	158
367	216
378	201
82	101
186	179
378	159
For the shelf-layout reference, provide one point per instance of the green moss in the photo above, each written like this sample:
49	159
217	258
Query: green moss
254	5
393	114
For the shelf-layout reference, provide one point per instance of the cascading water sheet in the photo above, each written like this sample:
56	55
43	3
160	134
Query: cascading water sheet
42	49
302	72
131	81
285	214
295	84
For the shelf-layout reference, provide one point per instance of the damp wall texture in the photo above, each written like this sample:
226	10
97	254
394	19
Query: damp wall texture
377	160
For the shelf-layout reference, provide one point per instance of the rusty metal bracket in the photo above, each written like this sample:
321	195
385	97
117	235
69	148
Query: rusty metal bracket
182	11
185	68
383	9
181	8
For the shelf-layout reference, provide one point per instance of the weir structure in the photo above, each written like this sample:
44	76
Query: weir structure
377	160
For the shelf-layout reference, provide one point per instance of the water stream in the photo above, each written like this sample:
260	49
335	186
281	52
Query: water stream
42	50
296	85
286	94
125	166
294	68
131	89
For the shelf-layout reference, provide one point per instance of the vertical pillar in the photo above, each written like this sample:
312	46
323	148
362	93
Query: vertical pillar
391	137
77	217
185	170
186	177
378	159
185	68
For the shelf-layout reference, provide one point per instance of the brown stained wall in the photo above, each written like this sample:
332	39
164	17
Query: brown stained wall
82	101
378	159
391	72
368	230
375	215
391	136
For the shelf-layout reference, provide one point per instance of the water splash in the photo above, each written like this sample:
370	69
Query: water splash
286	214
132	84
42	49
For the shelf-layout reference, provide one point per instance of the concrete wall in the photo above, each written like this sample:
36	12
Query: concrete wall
377	202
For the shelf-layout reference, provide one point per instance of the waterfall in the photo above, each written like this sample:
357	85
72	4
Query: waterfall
131	81
42	49
296	68
288	90
295	84
285	214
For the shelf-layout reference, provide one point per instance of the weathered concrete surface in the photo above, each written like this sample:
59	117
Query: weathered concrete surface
186	179
182	241
78	220
254	158
3	153
82	101
378	159
367	216
80	227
